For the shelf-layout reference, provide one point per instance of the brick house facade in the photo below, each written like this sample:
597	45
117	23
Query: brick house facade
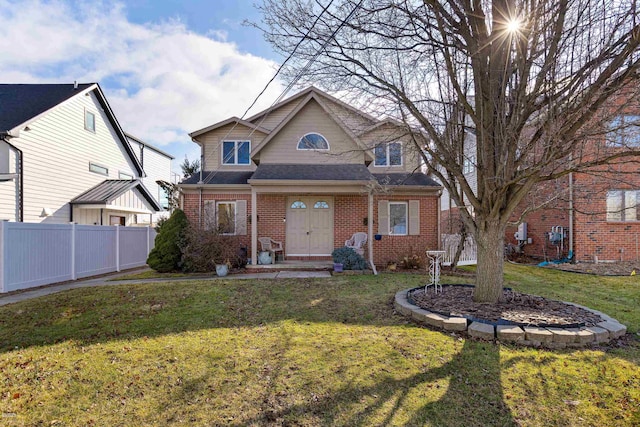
310	172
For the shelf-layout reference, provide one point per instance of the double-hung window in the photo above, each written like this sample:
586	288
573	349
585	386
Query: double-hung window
226	217
398	218
236	152
624	131
388	154
622	205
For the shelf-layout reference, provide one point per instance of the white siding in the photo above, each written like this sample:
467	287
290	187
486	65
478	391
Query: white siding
57	152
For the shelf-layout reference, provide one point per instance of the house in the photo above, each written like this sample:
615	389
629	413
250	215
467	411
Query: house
309	172
586	216
157	167
64	158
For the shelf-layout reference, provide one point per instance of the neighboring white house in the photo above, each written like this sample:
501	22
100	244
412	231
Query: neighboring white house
157	167
64	158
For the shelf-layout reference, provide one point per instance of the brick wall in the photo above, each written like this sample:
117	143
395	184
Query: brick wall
350	216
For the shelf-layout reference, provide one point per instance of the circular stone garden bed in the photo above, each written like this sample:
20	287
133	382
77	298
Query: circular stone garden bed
524	319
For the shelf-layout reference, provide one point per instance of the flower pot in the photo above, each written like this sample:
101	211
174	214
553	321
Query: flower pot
222	270
377	236
264	257
337	267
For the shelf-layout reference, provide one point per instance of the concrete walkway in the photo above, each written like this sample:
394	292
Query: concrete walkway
109	280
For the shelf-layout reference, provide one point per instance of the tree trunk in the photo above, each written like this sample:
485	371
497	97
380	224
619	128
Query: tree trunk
489	273
460	248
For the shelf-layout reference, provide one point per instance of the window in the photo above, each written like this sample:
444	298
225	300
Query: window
389	154
89	121
398	218
98	169
624	131
313	141
321	205
236	152
163	198
468	164
124	175
621	205
226	216
298	205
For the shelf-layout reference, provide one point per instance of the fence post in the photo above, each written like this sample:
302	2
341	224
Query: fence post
74	275
117	248
3	269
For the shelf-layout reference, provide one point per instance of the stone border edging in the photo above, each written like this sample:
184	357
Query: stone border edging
547	337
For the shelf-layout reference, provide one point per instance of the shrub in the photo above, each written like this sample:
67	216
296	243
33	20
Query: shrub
412	262
203	249
349	259
166	255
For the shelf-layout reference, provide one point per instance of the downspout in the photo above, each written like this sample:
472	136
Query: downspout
20	179
570	255
200	182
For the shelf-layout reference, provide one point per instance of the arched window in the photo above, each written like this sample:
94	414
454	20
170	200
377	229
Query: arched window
321	205
313	141
298	205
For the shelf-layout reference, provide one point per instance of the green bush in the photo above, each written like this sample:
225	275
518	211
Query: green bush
166	255
349	259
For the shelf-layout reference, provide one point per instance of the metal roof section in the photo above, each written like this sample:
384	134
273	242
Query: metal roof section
111	189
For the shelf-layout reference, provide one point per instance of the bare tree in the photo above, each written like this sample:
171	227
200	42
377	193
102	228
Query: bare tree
530	78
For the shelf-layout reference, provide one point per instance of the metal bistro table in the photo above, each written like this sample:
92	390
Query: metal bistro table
435	261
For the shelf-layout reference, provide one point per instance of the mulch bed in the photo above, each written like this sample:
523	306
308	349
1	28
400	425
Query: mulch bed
519	308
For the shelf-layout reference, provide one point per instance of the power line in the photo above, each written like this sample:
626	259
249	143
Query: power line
295	79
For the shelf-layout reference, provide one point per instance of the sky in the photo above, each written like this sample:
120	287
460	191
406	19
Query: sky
167	67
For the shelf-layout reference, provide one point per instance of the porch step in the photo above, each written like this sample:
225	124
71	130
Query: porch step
294	266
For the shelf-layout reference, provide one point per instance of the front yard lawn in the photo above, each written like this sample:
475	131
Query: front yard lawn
303	352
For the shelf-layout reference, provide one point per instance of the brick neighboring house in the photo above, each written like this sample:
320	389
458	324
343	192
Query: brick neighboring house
593	213
309	172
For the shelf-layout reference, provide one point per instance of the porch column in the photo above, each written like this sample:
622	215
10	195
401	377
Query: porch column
370	232
254	227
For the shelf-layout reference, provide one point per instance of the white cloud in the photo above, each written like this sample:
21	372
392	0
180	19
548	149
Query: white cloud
161	79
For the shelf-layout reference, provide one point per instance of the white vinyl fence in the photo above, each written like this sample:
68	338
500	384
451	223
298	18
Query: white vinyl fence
469	255
39	254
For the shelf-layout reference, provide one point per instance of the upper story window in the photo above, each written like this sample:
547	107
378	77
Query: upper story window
89	121
313	141
468	164
388	154
624	131
236	152
102	170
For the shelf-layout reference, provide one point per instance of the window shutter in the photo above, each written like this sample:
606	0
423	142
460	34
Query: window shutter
383	217
241	217
414	217
209	220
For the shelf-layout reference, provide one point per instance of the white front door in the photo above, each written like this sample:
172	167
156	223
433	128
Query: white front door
309	226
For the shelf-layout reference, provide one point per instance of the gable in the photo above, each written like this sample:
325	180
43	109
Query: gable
311	118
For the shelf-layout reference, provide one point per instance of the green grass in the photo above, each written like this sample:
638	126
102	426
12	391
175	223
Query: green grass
301	352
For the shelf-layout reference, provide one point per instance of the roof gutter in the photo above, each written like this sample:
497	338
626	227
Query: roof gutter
5	136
